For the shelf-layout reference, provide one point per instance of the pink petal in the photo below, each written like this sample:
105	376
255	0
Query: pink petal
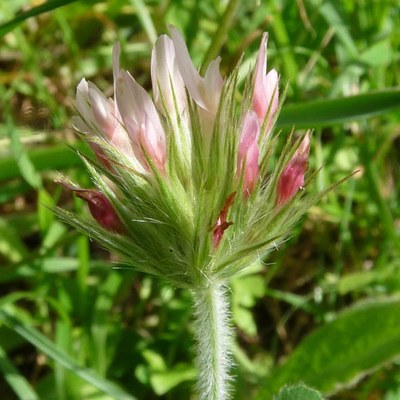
259	104
102	112
141	120
266	89
248	152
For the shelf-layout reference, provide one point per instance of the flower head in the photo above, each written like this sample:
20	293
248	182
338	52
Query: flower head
188	187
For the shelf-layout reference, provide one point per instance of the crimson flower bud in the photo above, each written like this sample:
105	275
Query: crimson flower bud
221	225
292	176
100	207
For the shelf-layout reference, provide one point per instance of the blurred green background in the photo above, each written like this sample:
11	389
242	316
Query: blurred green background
76	324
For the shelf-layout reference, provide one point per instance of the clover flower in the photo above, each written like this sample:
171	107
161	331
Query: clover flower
191	185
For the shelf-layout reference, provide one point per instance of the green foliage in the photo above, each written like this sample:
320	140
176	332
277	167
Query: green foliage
341	61
298	392
342	351
334	111
47	6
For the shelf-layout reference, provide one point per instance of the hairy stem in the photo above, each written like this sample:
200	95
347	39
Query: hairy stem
213	338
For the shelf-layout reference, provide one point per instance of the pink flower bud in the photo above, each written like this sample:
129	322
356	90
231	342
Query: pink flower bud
266	90
248	152
292	176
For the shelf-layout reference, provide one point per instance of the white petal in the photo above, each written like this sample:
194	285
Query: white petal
250	133
166	77
103	114
272	90
189	73
116	51
82	101
79	124
213	83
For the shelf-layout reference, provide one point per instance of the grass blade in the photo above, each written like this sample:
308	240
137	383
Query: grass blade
322	113
18	383
145	19
50	158
48	6
42	343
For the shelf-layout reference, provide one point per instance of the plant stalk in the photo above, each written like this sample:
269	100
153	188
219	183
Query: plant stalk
213	337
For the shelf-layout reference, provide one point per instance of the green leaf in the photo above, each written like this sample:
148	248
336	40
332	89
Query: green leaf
298	392
11	246
43	344
17	382
48	6
328	12
379	54
143	14
321	113
163	381
245	292
342	351
23	161
55	157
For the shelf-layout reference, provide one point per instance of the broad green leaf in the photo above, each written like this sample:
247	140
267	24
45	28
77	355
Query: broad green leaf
23	161
321	113
380	53
11	246
50	265
17	382
48	6
163	381
43	344
298	392
45	215
245	292
55	233
359	340
358	280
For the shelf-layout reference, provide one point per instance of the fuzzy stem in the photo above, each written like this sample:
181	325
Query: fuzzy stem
213	336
